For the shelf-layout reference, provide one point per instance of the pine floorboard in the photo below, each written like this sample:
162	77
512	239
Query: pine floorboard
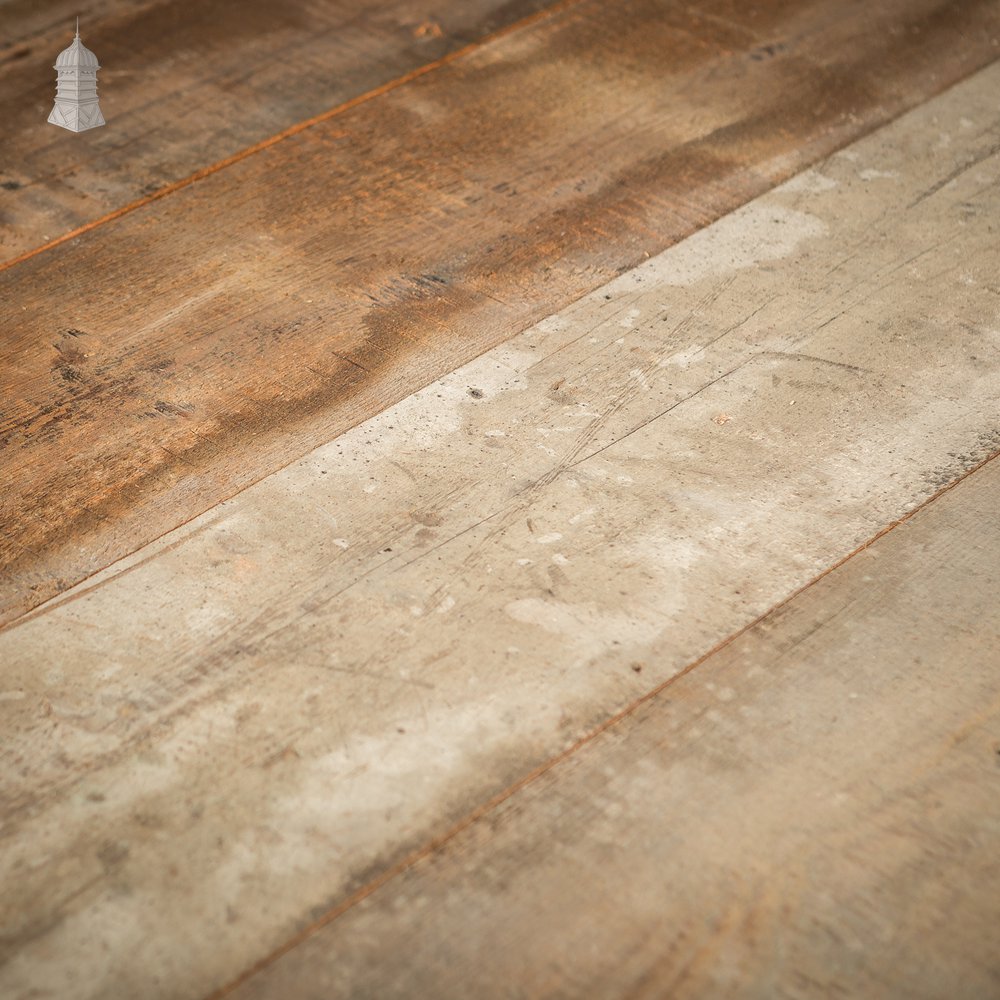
814	812
227	741
187	84
155	365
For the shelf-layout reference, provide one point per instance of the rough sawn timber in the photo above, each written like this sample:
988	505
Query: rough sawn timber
814	812
156	365
292	695
188	83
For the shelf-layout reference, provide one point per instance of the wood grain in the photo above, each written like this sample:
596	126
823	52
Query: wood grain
161	363
185	84
813	812
232	733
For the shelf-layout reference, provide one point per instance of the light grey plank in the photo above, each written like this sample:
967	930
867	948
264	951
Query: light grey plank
814	812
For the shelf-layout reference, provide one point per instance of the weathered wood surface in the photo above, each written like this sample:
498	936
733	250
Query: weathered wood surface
189	83
160	363
288	696
814	812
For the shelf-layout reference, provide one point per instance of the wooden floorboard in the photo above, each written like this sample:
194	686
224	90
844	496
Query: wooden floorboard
226	737
186	84
158	364
813	813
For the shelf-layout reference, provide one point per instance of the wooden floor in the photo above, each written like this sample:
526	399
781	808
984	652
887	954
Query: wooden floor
500	500
189	345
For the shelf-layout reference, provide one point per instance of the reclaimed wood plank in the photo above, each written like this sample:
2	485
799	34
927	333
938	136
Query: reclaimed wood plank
290	695
186	84
156	365
813	812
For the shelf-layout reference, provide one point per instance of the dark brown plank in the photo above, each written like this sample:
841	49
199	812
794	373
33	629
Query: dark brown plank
812	812
187	83
159	363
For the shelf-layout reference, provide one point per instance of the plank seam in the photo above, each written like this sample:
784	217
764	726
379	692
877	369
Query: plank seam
547	13
435	844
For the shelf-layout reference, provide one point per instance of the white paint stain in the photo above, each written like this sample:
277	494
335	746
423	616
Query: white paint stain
552	324
872	174
758	232
589	627
684	358
809	181
552	536
425	418
627	322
